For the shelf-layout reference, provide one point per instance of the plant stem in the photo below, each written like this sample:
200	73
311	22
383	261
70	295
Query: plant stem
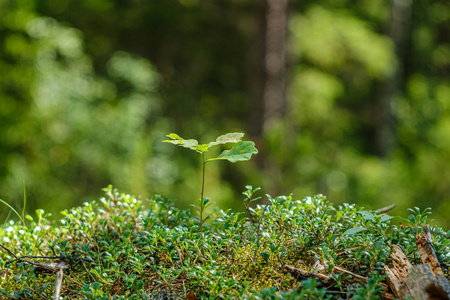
259	231
24	203
202	192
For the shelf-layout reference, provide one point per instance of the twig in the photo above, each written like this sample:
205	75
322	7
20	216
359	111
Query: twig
385	209
54	267
355	248
32	256
21	259
259	230
9	251
50	266
58	283
329	281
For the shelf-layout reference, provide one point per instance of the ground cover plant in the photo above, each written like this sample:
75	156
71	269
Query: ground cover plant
124	247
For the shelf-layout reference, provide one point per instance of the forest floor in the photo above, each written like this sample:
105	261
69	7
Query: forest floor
124	247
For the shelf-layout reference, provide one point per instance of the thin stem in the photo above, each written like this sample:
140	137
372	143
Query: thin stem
24	203
259	231
202	192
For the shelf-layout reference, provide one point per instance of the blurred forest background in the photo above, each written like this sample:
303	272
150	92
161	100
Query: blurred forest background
346	98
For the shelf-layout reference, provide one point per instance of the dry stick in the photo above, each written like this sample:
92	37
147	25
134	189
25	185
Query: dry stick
259	230
58	283
9	251
385	209
21	259
328	281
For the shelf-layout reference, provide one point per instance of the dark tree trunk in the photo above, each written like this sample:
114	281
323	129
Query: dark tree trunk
268	84
275	62
257	73
398	32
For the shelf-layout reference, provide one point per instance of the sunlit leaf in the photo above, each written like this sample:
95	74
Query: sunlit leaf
174	136
233	137
355	230
240	152
179	141
366	215
385	218
202	148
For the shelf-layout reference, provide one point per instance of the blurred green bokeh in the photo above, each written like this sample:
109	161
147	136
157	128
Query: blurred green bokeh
89	89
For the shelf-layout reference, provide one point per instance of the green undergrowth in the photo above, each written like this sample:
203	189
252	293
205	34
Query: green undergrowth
123	247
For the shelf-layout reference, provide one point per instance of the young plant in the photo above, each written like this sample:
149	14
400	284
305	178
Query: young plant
241	151
248	193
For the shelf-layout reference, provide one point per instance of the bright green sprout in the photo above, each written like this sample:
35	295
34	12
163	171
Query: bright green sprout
241	151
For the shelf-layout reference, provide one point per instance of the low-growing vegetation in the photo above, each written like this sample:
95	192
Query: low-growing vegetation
123	247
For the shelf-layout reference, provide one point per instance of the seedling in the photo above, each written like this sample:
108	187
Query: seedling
241	151
248	193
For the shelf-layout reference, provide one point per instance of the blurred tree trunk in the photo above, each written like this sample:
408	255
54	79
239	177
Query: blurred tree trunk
268	90
398	32
258	75
268	103
275	62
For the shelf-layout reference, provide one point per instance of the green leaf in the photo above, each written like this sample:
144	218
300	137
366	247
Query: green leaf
233	137
240	152
366	215
191	143
202	148
174	136
385	218
355	230
264	255
252	211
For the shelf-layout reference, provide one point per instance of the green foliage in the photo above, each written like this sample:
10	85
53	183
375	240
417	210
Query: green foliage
89	93
123	247
241	151
62	121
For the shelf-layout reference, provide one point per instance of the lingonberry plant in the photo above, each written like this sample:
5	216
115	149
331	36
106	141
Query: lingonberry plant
126	247
241	151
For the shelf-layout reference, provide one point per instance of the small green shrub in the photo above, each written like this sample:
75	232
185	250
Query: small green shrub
123	247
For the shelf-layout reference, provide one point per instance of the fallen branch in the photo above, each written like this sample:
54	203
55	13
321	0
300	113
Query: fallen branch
329	282
385	209
60	261
9	251
300	275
